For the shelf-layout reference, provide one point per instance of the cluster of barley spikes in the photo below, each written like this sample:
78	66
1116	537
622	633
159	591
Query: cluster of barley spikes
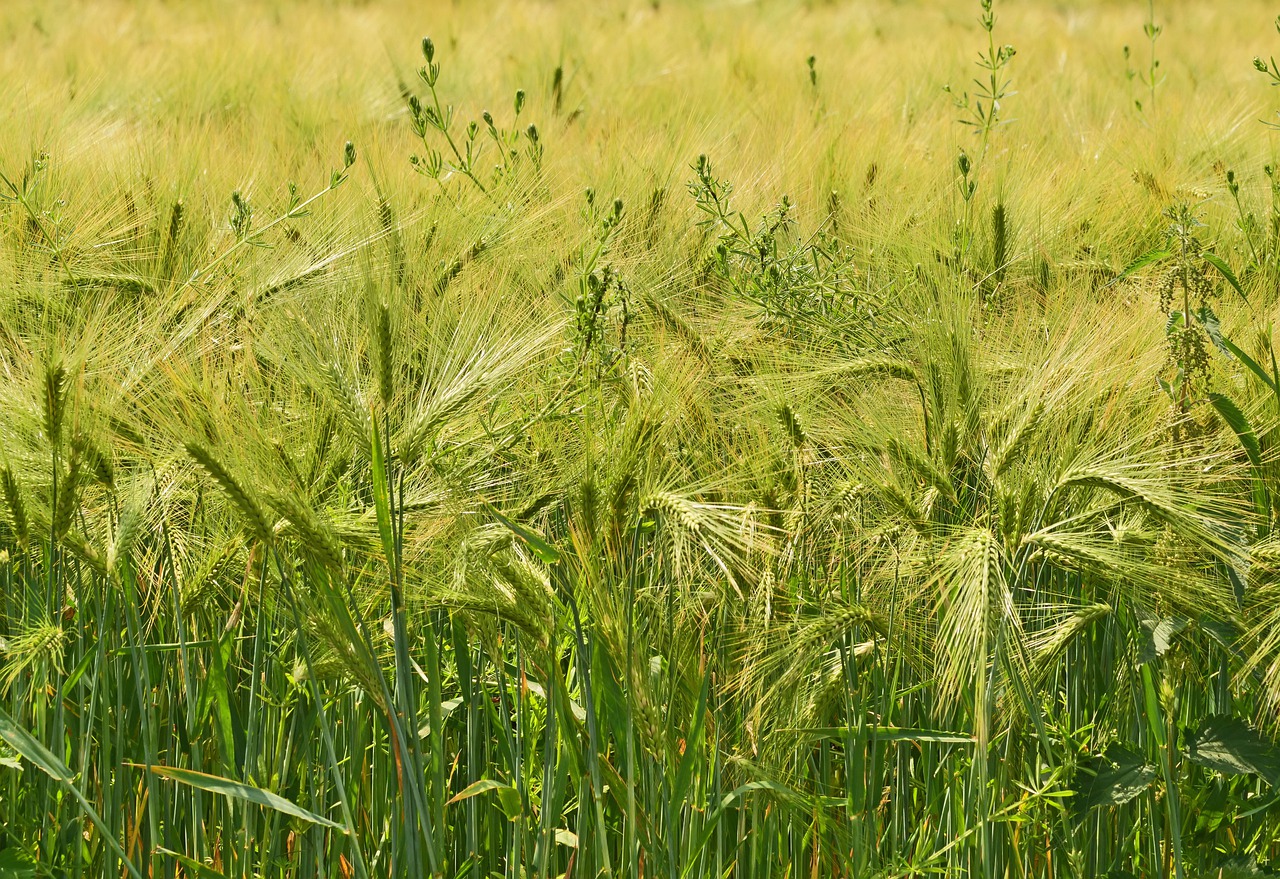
525	494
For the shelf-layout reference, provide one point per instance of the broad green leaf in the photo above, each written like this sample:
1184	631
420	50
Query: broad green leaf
1225	271
1238	867
239	791
1157	637
15	865
1213	327
90	654
532	539
1119	775
1231	746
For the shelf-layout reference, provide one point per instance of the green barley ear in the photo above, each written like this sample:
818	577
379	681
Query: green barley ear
255	517
395	242
68	495
791	423
176	216
17	509
127	530
348	398
55	388
98	463
557	89
315	535
86	552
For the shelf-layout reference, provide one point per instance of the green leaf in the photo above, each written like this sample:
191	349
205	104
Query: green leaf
217	699
508	796
535	541
1225	271
889	734
708	829
30	748
238	791
1119	775
1213	327
1238	867
1236	419
1231	746
193	866
1143	261
1252	365
15	865
692	744
1158	636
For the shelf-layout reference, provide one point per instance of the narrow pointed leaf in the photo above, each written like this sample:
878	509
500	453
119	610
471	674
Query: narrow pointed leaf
239	791
1143	261
1225	271
43	759
1252	365
1239	423
530	538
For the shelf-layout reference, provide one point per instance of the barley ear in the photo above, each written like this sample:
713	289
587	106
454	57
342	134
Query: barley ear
17	509
55	387
255	517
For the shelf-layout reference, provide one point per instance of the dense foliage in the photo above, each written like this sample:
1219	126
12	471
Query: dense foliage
541	491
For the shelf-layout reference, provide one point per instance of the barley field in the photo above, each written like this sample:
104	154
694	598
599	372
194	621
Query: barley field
680	438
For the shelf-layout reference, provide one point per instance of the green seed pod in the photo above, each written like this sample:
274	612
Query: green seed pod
428	49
